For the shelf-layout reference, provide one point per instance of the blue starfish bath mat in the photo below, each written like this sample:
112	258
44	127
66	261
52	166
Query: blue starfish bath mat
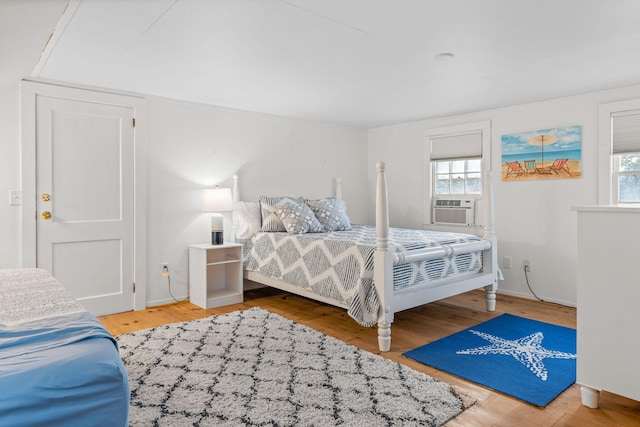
529	360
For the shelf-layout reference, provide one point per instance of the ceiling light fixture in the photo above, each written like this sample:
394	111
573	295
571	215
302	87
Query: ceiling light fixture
444	56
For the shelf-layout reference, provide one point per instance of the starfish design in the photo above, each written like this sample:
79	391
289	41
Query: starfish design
526	350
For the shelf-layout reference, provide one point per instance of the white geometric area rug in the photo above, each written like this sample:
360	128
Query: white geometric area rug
254	367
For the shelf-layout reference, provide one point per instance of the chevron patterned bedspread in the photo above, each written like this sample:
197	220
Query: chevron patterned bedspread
339	265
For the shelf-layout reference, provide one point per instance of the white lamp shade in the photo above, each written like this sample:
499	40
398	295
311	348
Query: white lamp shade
217	200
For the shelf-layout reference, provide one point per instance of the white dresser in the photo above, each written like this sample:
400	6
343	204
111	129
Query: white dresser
608	328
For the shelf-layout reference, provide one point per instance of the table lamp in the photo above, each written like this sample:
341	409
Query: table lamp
217	200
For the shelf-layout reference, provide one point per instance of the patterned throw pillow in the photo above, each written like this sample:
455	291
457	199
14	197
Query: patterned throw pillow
270	221
297	218
331	213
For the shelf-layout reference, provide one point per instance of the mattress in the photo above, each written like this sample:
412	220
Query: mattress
58	365
339	265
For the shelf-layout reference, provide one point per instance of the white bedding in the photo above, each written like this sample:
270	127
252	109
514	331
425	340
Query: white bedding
29	294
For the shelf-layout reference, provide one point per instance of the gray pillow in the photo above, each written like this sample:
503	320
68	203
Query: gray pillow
270	221
331	213
297	218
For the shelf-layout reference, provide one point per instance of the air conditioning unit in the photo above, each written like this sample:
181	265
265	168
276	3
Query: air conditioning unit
454	211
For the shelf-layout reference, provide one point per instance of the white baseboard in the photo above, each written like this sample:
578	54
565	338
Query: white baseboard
247	285
165	301
529	296
253	285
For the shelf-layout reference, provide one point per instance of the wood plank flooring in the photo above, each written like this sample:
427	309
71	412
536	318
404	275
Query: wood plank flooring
411	329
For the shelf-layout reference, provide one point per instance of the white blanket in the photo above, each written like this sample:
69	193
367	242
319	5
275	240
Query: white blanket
28	294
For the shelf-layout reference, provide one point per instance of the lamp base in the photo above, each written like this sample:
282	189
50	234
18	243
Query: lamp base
217	238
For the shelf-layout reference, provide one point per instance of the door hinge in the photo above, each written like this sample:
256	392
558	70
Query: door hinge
134	287
134	122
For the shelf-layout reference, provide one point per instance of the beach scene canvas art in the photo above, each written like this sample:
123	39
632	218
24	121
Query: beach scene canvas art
542	154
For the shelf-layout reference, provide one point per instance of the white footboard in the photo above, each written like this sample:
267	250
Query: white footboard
384	260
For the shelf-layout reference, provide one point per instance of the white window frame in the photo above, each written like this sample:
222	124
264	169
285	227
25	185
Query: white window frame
607	169
615	178
484	127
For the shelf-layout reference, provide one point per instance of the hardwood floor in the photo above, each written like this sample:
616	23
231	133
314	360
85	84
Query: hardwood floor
411	329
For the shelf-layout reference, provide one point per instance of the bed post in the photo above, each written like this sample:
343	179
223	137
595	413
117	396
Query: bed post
338	188
236	189
235	194
490	256
383	262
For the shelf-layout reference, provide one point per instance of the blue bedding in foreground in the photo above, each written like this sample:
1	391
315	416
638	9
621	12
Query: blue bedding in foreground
61	371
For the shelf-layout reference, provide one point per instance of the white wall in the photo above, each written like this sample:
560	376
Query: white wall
193	146
534	220
190	146
25	27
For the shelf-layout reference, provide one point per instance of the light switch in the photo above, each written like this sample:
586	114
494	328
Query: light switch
15	197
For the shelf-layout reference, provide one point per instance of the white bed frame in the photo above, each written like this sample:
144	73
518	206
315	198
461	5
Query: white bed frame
393	301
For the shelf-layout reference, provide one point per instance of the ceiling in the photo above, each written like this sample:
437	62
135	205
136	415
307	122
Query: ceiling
363	63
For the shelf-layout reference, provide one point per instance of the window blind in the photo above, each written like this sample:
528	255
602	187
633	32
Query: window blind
625	132
456	146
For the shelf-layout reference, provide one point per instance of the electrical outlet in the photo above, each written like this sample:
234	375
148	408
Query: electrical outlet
507	262
164	269
527	265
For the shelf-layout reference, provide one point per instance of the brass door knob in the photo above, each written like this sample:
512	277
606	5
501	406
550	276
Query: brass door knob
46	215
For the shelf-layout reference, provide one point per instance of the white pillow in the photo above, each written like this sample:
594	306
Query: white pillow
246	219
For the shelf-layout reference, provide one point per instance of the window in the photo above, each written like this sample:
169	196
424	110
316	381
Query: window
456	163
455	158
626	178
619	152
462	176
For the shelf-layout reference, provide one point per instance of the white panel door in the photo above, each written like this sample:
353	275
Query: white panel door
85	182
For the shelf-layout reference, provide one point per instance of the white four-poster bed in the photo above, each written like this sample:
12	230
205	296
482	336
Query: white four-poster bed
387	256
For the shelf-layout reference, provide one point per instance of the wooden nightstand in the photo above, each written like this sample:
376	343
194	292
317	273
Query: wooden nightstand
215	274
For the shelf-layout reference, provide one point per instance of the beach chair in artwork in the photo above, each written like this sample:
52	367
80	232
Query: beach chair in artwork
558	166
529	166
514	169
